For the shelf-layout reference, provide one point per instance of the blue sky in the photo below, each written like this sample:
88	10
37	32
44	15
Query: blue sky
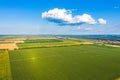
25	16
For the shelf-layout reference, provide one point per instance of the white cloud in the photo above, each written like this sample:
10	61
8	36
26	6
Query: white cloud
85	18
58	14
63	16
102	21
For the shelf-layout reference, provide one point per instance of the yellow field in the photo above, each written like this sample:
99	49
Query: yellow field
9	46
112	45
5	72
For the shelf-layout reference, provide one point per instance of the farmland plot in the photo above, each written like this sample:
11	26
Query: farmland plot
84	62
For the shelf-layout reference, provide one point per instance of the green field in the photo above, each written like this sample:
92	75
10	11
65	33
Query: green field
40	43
43	41
5	69
84	62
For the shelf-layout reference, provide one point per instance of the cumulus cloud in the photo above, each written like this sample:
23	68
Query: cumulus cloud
102	21
65	17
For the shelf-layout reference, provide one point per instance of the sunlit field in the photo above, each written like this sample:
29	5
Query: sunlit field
46	43
5	69
59	39
84	62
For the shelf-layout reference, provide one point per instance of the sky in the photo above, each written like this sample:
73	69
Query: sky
60	17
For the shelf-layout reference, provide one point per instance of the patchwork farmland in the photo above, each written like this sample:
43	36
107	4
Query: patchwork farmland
60	59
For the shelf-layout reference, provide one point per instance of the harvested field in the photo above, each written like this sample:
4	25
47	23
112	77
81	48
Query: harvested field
18	41
9	46
112	45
